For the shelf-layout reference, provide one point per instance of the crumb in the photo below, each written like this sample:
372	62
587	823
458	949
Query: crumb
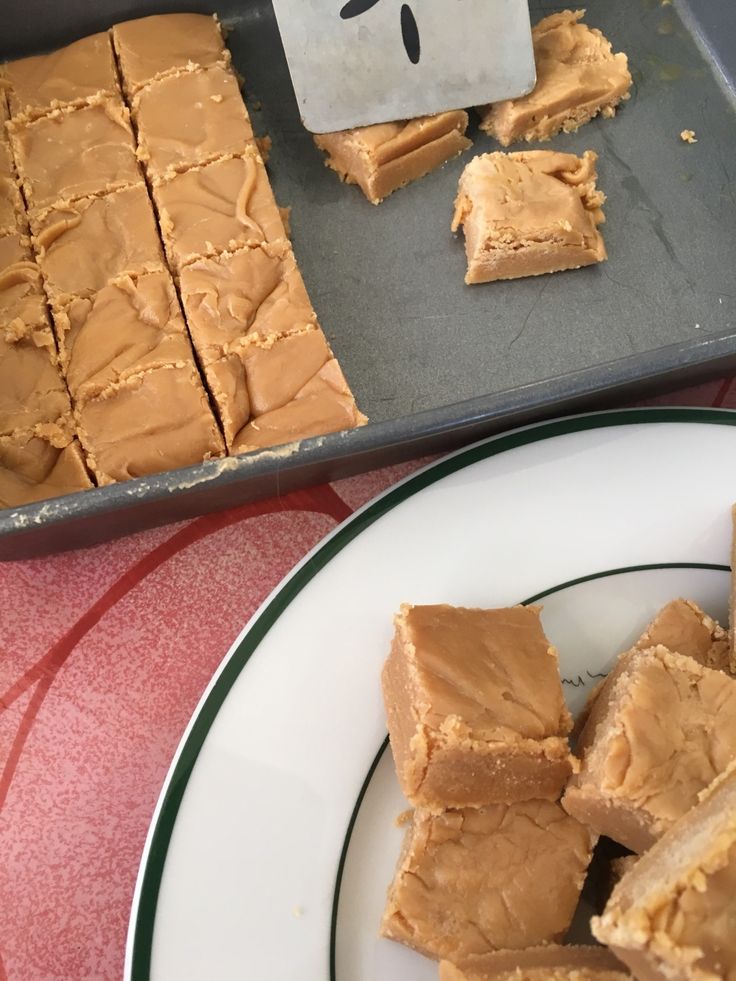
665	3
688	136
697	326
298	912
264	144
404	818
216	98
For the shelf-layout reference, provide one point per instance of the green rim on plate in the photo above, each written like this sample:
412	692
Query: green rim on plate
153	862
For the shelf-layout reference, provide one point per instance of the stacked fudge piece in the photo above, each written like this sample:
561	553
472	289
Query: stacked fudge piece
478	729
139	403
39	456
266	361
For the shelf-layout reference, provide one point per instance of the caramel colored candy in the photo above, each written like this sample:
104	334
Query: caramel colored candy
524	214
578	76
548	963
33	469
385	157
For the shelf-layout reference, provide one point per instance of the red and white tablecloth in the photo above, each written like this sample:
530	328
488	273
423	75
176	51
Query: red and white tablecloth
104	654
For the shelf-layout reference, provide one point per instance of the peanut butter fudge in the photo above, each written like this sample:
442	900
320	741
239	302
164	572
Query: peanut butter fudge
150	47
74	152
324	405
14	248
219	207
475	708
673	915
22	298
524	214
190	118
683	627
253	290
578	76
385	157
471	881
153	421
546	963
84	245
33	469
11	207
33	397
132	323
662	731
64	77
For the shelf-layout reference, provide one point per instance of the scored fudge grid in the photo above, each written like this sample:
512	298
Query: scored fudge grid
139	403
39	456
266	361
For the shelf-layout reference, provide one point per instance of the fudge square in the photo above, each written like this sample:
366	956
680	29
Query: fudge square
683	627
190	118
470	881
32	468
524	214
150	47
550	962
662	731
74	152
66	76
219	207
578	76
388	156
673	915
475	707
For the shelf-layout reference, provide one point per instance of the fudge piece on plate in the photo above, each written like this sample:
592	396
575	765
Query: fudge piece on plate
475	708
673	915
578	76
387	156
470	881
662	730
683	627
524	214
546	963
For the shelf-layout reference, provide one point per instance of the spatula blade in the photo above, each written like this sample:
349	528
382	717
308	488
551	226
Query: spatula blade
357	62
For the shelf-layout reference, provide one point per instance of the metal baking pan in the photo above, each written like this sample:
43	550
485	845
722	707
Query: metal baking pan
432	362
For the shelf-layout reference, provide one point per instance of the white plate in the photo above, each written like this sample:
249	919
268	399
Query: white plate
273	840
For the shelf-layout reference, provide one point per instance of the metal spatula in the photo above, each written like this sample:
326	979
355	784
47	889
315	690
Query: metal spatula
357	62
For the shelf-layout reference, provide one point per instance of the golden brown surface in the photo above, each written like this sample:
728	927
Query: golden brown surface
663	730
219	207
68	75
673	915
578	76
7	167
71	153
239	293
82	246
11	207
547	963
22	298
475	708
385	157
524	214
472	881
190	118
33	397
14	248
32	469
324	405
152	46
154	421
132	323
684	628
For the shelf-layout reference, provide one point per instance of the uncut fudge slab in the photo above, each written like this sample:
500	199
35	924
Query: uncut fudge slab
67	76
33	469
219	207
150	47
475	708
154	421
133	323
385	157
664	730
546	963
470	881
74	152
524	214
84	245
253	290
324	405
190	118
33	396
673	915
578	76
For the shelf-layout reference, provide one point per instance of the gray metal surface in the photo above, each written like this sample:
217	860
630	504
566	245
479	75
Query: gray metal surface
370	61
433	362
